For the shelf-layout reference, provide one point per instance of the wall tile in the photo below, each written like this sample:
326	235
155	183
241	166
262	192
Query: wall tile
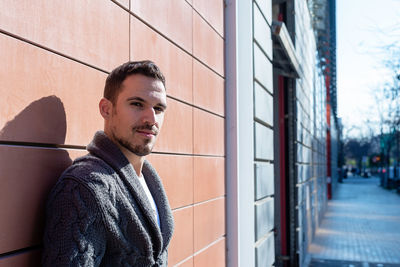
47	98
264	105
208	89
209	222
213	256
178	184
75	28
26	177
264	175
173	18
213	12
209	178
181	245
264	214
262	68
177	132
208	46
264	142
262	32
265	252
174	62
208	133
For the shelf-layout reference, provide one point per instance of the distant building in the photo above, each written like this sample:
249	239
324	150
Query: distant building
249	143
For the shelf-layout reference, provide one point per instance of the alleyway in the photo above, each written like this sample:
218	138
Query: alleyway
361	227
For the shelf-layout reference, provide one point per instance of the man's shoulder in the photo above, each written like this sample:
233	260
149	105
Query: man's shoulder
90	171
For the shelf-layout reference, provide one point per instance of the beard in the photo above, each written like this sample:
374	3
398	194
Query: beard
140	150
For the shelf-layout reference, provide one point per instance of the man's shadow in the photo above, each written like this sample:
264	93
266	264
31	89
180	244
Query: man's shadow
30	164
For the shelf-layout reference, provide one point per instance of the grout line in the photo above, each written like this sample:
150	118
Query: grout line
129	33
208	23
121	6
263	238
262	50
264	160
182	208
262	13
19	251
186	154
304	145
193	8
78	147
209	200
199	203
201	250
183	261
264	200
193	187
198	107
210	245
263	87
271	127
40	145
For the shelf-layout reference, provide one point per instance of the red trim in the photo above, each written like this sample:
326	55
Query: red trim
282	156
328	138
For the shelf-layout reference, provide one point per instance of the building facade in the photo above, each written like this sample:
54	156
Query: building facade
243	152
55	58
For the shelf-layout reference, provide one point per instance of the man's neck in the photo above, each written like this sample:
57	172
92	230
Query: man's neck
135	160
137	164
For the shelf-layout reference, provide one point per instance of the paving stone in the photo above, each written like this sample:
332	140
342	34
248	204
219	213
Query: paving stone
343	263
361	224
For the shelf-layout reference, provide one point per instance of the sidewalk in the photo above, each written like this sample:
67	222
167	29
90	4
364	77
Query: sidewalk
361	227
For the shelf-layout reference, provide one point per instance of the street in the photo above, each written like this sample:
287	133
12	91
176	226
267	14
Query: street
361	226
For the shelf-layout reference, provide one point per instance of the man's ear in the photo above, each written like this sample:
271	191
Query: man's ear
105	107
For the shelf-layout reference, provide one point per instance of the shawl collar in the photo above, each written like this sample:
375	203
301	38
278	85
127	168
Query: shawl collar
104	148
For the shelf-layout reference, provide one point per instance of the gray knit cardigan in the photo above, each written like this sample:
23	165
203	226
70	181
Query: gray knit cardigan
98	213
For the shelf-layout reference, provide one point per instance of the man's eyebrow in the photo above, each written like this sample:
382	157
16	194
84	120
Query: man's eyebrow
135	98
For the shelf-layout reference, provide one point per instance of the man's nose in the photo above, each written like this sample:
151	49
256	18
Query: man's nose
149	116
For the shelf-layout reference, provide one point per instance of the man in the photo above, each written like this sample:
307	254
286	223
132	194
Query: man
109	208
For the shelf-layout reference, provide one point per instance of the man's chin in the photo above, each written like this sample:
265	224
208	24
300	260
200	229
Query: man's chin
141	153
142	150
138	150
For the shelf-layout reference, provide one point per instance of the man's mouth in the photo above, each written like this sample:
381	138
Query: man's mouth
146	133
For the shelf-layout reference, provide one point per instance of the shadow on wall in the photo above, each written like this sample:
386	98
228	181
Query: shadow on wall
43	121
28	170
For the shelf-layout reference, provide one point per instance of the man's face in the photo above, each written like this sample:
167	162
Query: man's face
138	114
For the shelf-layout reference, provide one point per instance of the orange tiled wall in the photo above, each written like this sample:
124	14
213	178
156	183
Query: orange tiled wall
54	58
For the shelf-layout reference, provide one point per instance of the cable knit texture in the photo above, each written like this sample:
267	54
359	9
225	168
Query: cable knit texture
98	213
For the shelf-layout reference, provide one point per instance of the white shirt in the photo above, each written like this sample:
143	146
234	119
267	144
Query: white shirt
150	198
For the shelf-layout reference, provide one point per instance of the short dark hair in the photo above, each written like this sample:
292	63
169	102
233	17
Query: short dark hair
119	74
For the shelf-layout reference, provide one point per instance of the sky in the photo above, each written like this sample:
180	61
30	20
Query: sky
362	27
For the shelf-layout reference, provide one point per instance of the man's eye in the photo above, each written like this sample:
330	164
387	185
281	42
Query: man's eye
159	109
137	104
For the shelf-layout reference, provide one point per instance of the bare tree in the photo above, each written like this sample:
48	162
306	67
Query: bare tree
389	106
